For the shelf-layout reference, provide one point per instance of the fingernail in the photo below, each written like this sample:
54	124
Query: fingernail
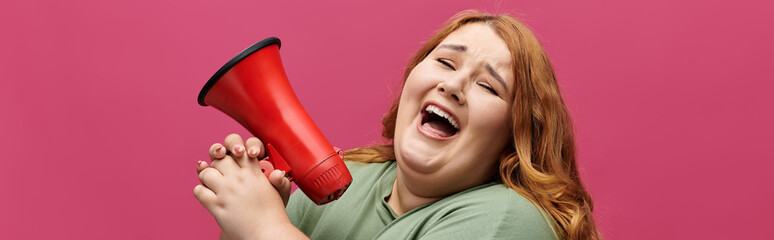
239	149
283	174
217	149
253	151
199	163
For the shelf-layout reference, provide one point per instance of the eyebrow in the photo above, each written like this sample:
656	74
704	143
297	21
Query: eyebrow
495	75
455	47
463	48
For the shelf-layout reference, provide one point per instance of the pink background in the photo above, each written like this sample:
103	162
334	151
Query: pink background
100	130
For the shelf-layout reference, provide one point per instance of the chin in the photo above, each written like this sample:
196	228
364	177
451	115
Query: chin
414	154
416	162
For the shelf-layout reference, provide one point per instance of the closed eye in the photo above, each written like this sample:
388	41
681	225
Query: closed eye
488	88
446	63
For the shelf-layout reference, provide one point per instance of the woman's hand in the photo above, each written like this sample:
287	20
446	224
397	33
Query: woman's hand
236	192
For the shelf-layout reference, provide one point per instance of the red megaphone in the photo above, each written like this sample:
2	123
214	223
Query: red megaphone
253	89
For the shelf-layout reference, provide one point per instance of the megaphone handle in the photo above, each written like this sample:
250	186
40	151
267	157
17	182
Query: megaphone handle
274	161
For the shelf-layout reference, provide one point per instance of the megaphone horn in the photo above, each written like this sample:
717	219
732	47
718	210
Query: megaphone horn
253	89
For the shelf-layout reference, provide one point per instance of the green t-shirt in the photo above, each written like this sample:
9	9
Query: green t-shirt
488	211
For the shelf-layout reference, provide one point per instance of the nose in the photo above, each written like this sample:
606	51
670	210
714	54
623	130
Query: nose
451	89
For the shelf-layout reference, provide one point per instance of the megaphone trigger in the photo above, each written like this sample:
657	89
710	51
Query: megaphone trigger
266	167
276	160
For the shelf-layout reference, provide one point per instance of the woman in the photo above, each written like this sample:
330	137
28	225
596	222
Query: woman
481	148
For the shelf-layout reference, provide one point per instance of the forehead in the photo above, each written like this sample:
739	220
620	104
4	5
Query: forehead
483	43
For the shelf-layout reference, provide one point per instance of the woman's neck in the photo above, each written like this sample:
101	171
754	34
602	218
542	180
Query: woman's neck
402	200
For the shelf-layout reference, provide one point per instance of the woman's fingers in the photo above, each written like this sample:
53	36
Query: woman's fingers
255	148
238	150
281	183
211	178
224	161
226	165
201	165
236	145
254	153
204	195
217	151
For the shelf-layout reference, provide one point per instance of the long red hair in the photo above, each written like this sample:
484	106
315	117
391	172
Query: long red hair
539	163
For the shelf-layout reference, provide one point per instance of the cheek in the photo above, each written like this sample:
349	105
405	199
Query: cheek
407	108
417	86
403	116
422	78
491	119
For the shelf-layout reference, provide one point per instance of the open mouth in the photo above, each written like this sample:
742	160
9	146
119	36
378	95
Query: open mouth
438	122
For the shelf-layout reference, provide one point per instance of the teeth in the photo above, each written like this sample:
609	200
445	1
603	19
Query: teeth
439	112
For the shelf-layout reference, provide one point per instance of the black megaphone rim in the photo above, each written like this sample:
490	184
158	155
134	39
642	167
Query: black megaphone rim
231	63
